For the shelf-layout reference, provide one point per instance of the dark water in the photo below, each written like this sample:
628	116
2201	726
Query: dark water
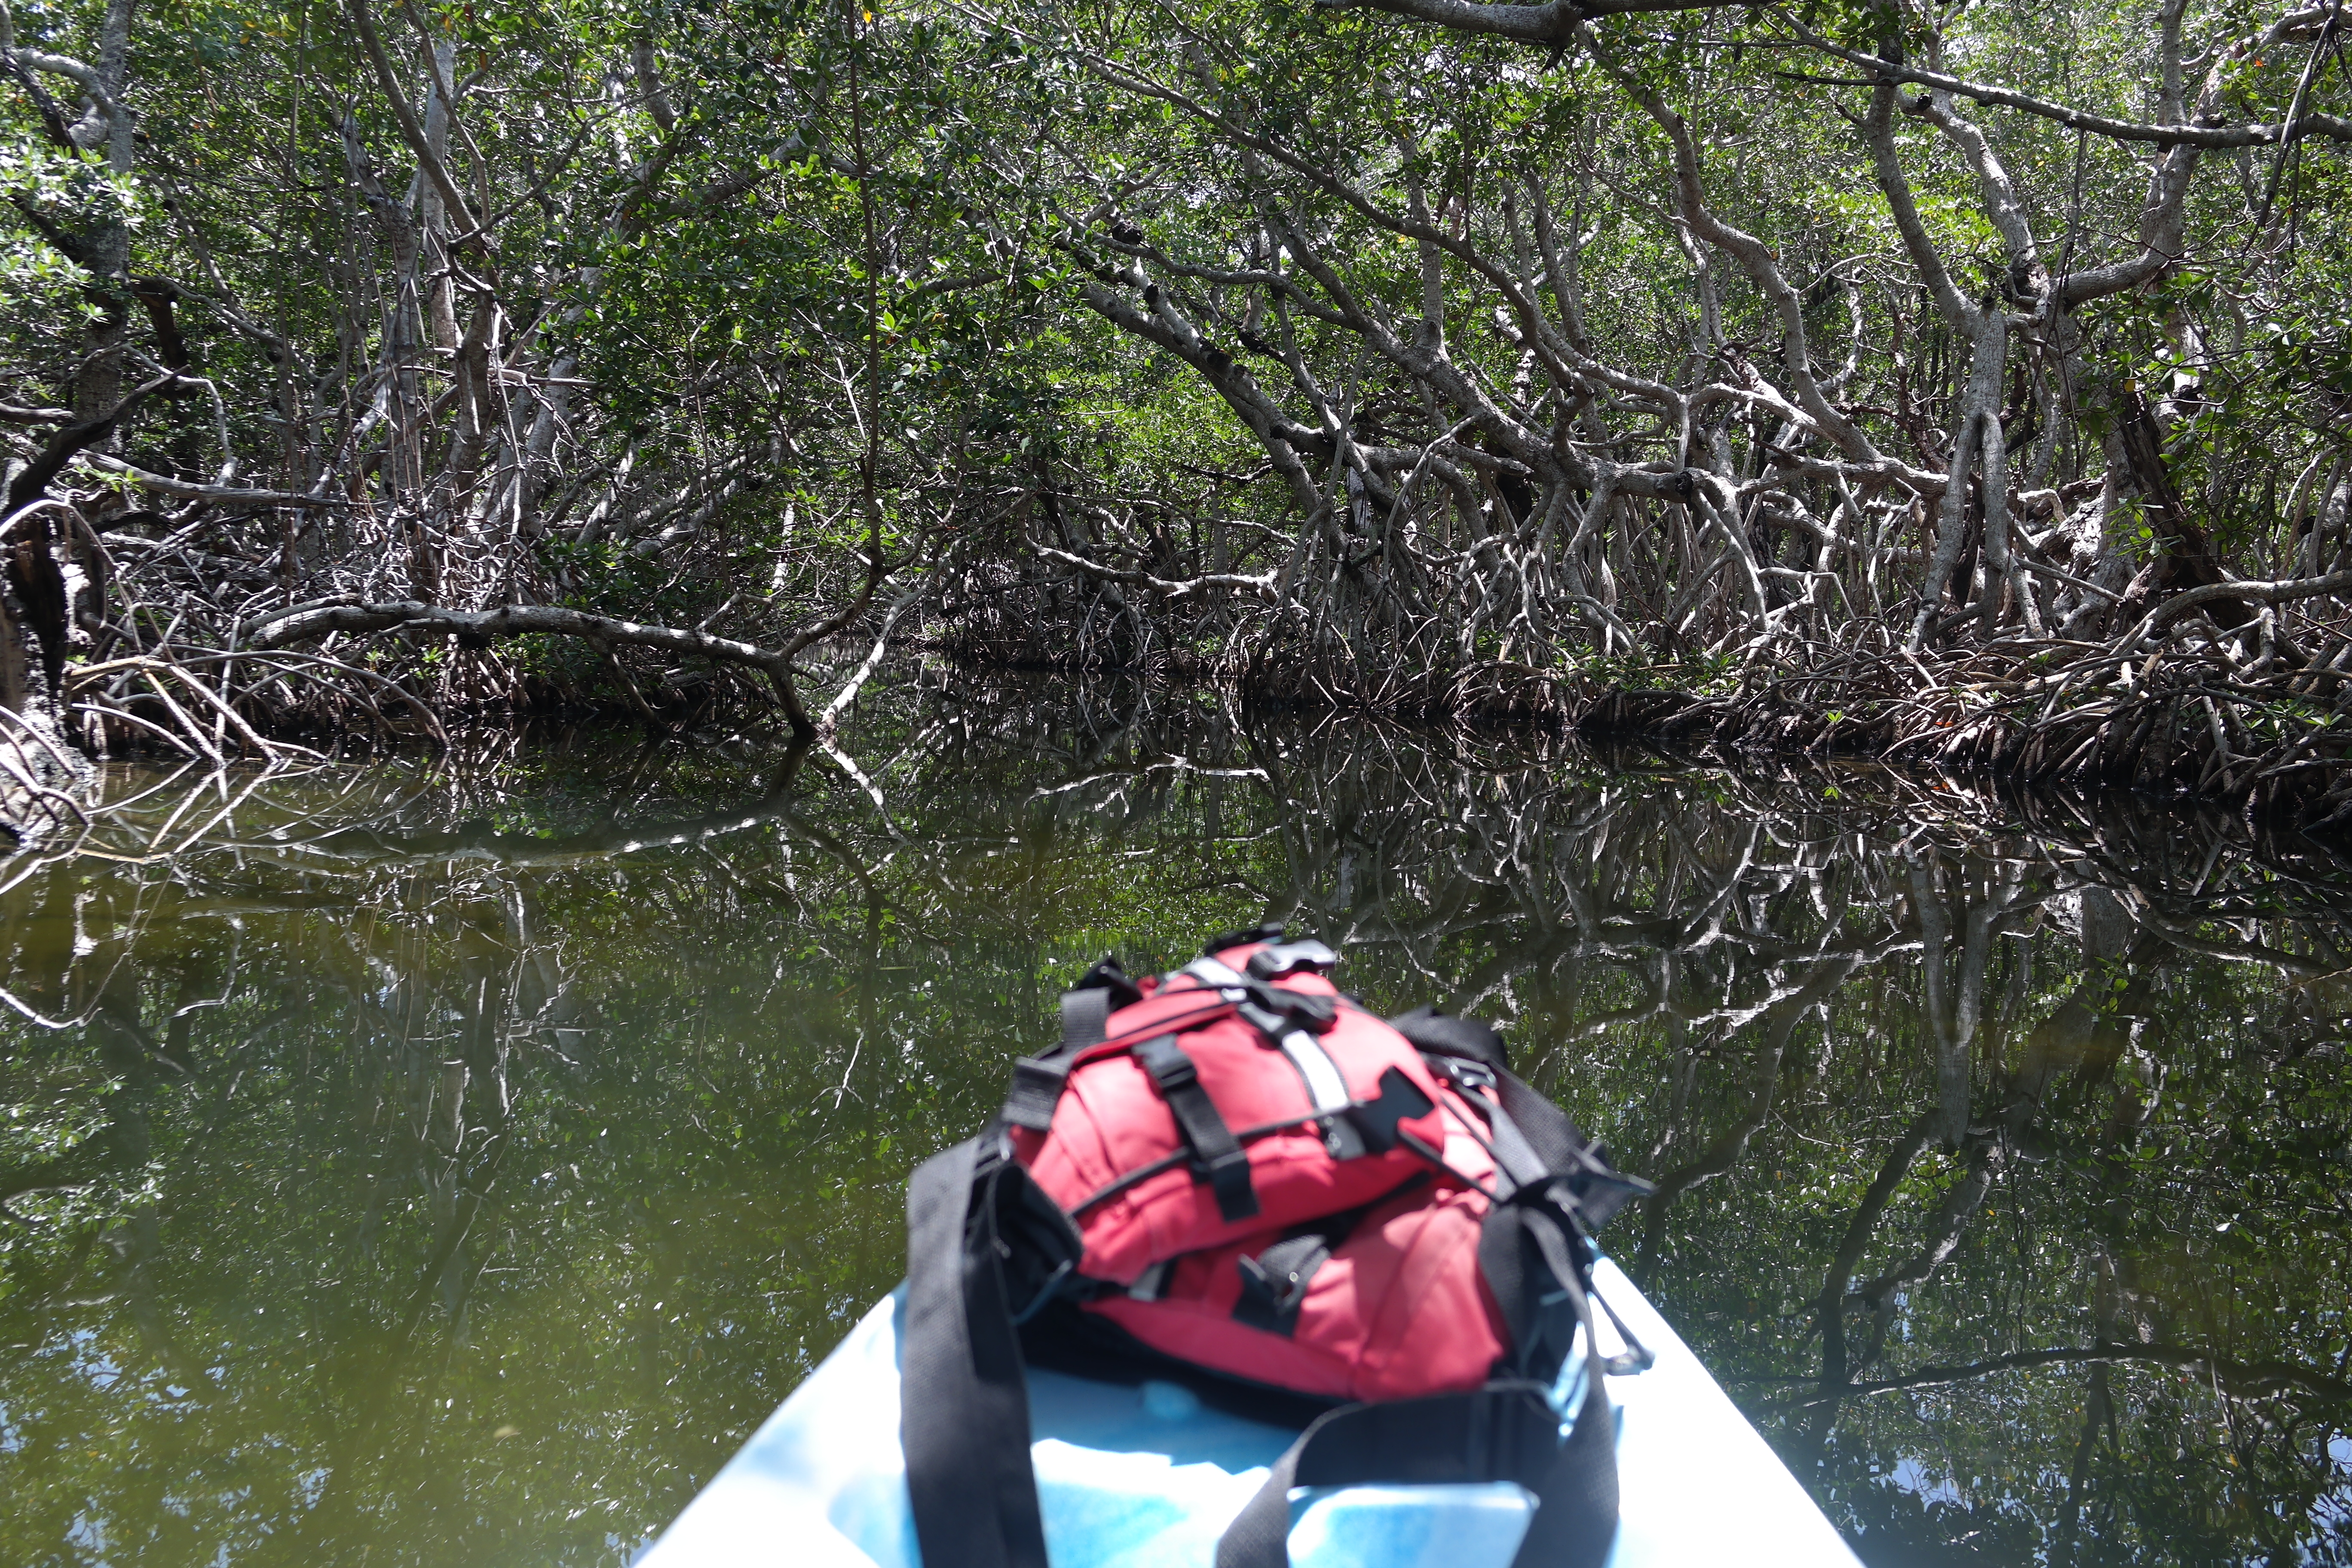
454	1160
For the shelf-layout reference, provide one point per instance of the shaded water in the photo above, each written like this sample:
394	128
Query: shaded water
455	1160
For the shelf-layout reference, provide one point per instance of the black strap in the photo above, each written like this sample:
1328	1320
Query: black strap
1038	1081
1504	1432
1556	1142
1215	1151
963	1405
1430	1030
1086	1018
1600	1188
1576	1502
1515	1155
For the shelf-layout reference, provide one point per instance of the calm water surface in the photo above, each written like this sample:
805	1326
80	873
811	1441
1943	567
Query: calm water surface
455	1160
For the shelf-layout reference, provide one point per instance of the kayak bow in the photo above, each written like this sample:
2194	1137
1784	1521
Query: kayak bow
1148	1478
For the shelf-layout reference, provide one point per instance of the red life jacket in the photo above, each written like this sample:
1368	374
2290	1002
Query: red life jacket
1234	1176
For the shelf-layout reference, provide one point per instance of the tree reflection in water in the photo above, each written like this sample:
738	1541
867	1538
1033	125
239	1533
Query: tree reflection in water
452	1162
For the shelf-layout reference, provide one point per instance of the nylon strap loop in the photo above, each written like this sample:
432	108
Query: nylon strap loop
1038	1081
1086	1018
1215	1148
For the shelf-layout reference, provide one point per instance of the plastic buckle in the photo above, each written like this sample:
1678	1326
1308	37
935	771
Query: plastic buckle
1271	1027
1266	931
1467	1074
1318	1013
1286	958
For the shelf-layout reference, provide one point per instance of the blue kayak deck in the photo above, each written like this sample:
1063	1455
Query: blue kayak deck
1146	1477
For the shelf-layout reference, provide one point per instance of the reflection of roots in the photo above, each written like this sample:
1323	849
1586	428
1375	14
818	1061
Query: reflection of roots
2186	722
214	710
43	784
218	706
2187	713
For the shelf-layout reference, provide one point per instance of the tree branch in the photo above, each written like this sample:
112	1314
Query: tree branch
2257	134
479	626
411	131
1553	23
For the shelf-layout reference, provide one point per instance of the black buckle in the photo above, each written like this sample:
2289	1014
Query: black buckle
1287	958
1109	975
1274	1011
1270	931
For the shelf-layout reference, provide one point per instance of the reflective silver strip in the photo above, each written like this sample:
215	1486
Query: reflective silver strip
1214	972
1324	1084
1323	1079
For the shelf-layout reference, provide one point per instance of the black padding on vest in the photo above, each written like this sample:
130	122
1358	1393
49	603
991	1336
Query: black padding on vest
1215	1152
963	1405
1399	1099
1430	1030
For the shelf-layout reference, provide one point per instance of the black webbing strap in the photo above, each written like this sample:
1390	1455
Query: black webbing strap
1601	1188
1457	1438
1514	1152
964	1406
1086	1017
1531	1132
1214	1149
1037	1082
1556	1141
1448	1035
1504	1432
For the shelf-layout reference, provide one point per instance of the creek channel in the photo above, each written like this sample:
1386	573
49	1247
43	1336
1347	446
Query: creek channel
450	1160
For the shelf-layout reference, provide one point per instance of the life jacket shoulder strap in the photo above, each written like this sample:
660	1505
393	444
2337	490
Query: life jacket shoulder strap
963	1397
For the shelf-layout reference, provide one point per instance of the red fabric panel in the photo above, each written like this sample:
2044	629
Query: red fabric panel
1111	1121
1397	1310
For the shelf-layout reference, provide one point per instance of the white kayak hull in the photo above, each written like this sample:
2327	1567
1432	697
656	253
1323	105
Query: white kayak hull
1146	1477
